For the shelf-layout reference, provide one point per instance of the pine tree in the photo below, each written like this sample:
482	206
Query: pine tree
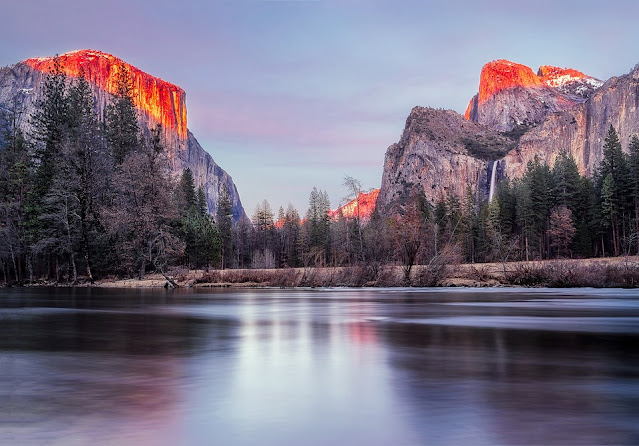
566	182
291	237
186	195
201	203
15	181
539	182
633	160
264	254
609	209
121	118
89	172
617	201
224	219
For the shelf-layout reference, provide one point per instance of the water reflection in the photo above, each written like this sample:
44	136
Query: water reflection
279	367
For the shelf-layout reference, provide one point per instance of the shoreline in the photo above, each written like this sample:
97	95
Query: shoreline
610	272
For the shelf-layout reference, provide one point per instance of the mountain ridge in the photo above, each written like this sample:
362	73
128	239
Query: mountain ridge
439	161
512	94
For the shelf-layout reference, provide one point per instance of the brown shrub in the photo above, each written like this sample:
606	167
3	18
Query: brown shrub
560	274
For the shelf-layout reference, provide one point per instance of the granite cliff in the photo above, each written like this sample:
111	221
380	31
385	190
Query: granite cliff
363	205
157	102
440	153
516	116
512	96
581	130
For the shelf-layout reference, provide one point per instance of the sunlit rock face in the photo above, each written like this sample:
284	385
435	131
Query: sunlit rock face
511	95
163	101
157	102
362	206
439	153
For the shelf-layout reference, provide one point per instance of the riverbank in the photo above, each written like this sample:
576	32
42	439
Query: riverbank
598	273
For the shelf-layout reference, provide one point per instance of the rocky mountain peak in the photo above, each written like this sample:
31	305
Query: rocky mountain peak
568	80
512	96
365	202
161	100
502	74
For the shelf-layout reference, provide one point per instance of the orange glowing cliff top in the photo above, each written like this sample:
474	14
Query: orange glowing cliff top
366	206
502	74
160	99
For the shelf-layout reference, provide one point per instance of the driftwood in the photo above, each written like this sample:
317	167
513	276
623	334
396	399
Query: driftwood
170	283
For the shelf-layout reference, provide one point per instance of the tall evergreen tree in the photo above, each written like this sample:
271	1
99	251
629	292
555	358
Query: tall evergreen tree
224	219
89	170
121	117
566	182
318	226
616	192
633	159
186	194
15	181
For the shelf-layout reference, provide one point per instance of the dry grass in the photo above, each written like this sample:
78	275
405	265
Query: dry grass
600	273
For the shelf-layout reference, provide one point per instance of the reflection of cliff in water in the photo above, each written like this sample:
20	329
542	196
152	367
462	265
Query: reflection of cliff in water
502	386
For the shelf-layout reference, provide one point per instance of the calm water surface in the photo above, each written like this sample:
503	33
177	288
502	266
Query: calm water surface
318	367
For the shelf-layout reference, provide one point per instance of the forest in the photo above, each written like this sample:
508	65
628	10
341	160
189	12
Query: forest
84	198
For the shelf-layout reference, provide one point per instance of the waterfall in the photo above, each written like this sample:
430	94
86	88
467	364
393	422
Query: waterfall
493	176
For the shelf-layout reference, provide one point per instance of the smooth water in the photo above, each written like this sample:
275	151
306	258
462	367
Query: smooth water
318	367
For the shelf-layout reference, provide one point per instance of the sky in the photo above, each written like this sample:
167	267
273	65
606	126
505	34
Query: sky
287	95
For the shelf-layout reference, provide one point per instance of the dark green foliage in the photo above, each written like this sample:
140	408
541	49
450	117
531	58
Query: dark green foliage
224	218
15	182
566	182
202	239
121	122
318	227
187	200
614	184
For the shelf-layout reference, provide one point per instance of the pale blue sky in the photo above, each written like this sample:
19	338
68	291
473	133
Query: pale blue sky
291	94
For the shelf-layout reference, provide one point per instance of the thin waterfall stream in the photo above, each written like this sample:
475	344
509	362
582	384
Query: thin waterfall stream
492	181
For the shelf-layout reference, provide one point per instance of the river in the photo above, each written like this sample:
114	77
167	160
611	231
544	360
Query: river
319	367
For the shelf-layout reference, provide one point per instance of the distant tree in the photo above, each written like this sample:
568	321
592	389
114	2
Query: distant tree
263	255
243	243
291	237
354	192
317	227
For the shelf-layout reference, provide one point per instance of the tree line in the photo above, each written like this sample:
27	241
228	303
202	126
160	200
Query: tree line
87	198
547	213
